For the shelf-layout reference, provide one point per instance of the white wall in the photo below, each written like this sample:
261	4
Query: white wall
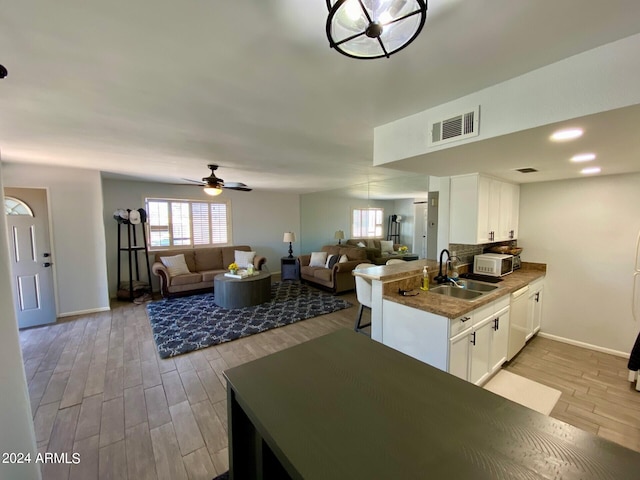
16	426
567	89
78	247
404	208
323	213
259	219
586	231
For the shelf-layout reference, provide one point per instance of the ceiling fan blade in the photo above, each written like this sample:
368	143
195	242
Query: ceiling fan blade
236	186
241	187
197	182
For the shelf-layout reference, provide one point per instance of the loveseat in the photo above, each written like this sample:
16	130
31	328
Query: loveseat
374	249
336	277
203	265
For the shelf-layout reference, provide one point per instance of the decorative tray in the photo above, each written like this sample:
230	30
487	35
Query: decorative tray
241	274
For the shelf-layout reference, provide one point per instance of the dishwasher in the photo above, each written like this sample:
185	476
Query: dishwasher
517	322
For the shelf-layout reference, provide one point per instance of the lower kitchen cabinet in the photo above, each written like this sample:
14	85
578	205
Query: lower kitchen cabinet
480	351
499	339
480	347
459	355
534	308
472	347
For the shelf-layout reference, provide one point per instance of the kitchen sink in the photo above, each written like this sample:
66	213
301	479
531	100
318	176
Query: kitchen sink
477	286
456	292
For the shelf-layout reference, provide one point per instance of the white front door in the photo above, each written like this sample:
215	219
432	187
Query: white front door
31	261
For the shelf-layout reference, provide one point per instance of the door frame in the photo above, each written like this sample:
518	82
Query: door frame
51	247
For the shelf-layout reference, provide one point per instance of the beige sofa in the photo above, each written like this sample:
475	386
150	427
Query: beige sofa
338	278
203	263
373	249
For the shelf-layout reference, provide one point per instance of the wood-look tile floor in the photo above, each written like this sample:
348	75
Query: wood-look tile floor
98	388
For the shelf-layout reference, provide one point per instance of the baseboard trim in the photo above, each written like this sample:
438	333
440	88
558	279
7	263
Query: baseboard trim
584	345
84	312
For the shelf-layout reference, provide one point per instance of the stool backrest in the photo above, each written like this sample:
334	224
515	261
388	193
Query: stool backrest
363	286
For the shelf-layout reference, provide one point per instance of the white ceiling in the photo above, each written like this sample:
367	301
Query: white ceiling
157	89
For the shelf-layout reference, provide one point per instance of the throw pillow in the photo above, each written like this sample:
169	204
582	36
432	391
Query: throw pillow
318	259
332	260
361	244
343	259
371	243
386	246
176	265
244	258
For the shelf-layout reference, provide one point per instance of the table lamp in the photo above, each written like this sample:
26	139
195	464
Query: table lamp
339	235
289	237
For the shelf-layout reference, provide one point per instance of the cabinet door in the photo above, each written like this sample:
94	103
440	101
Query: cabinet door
508	212
459	355
499	339
486	205
537	310
515	211
480	350
531	313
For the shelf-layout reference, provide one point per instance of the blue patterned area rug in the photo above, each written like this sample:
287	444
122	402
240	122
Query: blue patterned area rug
181	325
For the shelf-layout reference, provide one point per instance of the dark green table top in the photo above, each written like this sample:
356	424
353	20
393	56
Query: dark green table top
345	407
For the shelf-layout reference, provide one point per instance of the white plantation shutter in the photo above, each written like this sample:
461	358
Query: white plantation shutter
367	223
158	218
219	224
201	225
187	223
180	224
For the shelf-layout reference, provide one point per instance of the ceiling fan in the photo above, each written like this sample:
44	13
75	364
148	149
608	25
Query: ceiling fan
214	185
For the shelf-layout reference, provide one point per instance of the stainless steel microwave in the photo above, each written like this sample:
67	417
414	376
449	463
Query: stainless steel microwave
493	264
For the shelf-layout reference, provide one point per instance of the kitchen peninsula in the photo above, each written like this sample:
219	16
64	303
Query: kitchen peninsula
466	338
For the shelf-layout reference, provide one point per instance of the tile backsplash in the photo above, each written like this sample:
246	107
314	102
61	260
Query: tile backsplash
466	252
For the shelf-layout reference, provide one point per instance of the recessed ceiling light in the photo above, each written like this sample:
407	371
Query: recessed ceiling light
583	157
590	170
566	134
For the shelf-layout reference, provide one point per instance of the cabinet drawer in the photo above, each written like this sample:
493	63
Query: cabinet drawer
483	312
502	302
461	323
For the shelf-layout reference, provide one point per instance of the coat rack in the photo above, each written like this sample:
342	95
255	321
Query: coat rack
393	229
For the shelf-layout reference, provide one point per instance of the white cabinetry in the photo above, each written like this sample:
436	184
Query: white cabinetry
483	209
480	346
500	339
459	355
489	340
534	307
471	347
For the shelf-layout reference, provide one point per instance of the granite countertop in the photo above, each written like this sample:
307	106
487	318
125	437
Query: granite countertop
385	273
452	307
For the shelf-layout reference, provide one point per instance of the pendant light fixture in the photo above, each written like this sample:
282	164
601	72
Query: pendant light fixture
374	28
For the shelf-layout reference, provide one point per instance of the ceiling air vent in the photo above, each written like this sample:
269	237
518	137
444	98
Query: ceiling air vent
455	128
526	170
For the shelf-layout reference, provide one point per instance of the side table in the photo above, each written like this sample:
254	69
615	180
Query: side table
289	269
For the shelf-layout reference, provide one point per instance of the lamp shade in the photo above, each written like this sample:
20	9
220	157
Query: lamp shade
374	28
339	235
289	237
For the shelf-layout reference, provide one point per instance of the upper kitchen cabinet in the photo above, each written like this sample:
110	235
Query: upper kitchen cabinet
483	209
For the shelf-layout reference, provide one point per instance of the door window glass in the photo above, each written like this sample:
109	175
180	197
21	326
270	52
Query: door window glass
13	206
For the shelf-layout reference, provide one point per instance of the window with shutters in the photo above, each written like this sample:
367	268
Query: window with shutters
187	223
366	223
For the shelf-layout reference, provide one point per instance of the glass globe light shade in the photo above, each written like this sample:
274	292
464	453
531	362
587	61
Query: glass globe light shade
373	28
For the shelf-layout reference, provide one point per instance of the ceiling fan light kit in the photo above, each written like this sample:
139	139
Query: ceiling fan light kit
371	29
213	185
213	191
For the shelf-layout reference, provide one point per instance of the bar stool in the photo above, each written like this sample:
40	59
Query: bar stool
394	260
363	293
